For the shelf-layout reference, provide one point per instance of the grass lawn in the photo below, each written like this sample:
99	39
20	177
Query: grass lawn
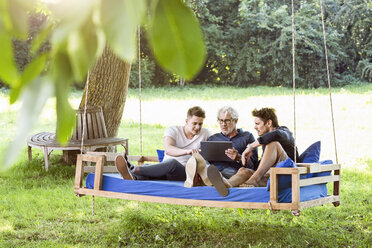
39	209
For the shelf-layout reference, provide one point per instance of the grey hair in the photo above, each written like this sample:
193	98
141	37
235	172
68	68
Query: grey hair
227	109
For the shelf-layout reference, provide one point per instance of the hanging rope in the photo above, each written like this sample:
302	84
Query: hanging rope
294	83
140	85
85	113
92	205
328	78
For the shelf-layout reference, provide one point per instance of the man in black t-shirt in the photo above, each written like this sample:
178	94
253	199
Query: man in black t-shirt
277	143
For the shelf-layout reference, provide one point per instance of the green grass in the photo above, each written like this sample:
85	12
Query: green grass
39	209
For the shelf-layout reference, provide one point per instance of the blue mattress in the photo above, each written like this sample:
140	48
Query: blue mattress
173	189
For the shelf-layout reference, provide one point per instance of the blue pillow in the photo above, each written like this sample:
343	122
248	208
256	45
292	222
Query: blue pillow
160	155
285	181
311	154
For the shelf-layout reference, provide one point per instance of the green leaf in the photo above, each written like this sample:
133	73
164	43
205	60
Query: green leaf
60	69
120	20
78	55
5	20
8	69
19	19
33	98
62	75
31	71
176	38
72	15
83	46
13	13
41	37
241	212
65	114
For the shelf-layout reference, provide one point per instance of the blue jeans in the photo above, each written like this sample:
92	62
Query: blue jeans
169	169
227	171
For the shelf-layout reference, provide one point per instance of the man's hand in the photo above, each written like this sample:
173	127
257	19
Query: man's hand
246	155
192	151
233	154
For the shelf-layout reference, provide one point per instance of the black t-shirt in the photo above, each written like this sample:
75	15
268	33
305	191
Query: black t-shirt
284	137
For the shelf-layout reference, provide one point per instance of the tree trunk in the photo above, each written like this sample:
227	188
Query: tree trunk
108	87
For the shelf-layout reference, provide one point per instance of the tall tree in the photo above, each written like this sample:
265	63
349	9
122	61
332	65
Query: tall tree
108	87
79	31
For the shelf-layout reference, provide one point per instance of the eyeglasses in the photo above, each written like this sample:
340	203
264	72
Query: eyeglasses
227	121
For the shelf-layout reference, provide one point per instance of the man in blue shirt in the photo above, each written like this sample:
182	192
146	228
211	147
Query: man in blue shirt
227	117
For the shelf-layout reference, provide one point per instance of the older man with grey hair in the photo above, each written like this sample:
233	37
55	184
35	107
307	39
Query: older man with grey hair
227	118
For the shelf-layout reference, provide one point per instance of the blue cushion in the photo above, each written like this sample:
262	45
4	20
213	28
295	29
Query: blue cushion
160	155
311	154
285	181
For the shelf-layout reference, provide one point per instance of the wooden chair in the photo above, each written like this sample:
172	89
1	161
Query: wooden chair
95	136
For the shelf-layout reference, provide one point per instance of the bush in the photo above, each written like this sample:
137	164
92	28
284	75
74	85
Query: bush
364	70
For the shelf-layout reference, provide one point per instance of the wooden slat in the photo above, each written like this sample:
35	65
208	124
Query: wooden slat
273	186
295	189
336	184
288	171
89	128
102	120
95	127
320	201
283	206
314	168
177	201
99	125
79	172
99	172
110	157
79	128
106	169
319	180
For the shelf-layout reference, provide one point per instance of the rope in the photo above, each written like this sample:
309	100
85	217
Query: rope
93	205
328	79
294	82
84	115
140	85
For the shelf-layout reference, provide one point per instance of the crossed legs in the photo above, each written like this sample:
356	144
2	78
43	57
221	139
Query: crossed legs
273	154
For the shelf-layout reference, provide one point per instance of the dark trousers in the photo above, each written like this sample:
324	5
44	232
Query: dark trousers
169	169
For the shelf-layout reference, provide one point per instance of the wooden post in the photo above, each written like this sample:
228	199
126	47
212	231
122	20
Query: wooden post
295	189
336	188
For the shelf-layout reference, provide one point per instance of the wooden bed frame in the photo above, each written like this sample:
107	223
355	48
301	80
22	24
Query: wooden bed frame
100	160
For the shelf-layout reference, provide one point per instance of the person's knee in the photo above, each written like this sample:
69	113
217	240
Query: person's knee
245	172
274	144
170	162
274	148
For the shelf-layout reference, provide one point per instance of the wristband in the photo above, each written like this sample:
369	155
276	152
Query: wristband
250	147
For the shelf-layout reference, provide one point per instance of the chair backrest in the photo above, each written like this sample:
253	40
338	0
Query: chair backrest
93	123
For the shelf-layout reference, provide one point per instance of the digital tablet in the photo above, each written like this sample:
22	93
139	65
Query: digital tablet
215	150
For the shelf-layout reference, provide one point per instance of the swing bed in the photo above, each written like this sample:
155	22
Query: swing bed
292	186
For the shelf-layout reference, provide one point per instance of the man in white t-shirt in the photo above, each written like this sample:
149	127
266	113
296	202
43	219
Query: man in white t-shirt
180	142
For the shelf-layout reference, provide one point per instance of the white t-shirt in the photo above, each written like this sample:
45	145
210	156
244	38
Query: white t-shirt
177	133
